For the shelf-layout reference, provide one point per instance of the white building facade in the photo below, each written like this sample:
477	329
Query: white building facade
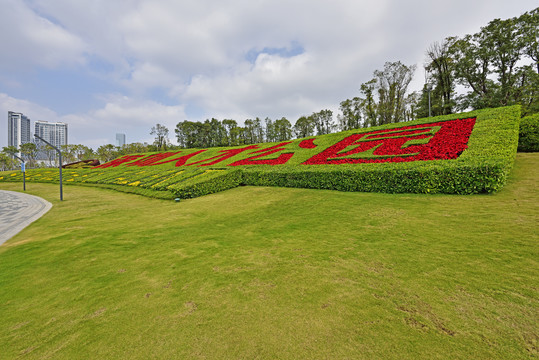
53	132
18	129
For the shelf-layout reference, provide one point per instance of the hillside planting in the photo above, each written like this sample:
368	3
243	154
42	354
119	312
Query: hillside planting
453	154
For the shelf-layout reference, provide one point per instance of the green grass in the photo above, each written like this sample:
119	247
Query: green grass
275	273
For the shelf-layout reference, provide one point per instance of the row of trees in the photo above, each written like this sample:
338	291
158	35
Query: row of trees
497	66
191	134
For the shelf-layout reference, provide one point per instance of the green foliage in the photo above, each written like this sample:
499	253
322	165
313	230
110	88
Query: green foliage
528	140
482	168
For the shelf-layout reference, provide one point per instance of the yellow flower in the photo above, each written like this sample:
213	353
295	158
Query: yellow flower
71	180
136	183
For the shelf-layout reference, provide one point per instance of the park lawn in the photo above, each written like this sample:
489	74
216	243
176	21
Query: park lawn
275	273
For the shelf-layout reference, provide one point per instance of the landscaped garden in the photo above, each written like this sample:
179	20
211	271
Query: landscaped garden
273	272
453	154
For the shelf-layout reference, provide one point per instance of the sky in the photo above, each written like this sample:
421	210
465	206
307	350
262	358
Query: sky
106	67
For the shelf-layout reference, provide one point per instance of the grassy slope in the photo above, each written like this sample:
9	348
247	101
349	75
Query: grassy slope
275	273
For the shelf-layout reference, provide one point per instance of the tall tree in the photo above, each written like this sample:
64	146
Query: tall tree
385	95
231	136
351	114
323	122
271	133
107	152
304	127
439	68
392	83
29	153
161	136
283	129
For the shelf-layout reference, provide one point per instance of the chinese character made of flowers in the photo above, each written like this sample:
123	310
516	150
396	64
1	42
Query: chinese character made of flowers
442	140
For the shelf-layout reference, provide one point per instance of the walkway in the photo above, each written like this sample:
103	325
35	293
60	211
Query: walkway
17	211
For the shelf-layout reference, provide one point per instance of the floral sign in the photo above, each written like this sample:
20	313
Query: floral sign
443	140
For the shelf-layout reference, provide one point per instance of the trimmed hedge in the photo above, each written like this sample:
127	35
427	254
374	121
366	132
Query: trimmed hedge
528	140
482	167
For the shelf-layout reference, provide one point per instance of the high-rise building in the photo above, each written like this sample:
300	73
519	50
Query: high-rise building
120	140
53	132
18	129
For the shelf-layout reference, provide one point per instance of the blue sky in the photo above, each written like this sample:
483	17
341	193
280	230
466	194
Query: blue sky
122	66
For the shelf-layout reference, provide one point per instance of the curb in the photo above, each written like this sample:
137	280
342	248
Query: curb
17	211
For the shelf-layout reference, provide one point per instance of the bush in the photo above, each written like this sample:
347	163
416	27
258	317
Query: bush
528	140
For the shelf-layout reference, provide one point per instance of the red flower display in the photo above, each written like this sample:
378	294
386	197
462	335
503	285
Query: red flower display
444	140
441	140
281	159
119	161
152	159
307	144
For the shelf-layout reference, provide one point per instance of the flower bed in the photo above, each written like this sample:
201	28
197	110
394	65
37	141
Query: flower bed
462	154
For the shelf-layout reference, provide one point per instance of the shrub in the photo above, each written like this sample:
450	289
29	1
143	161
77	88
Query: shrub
528	140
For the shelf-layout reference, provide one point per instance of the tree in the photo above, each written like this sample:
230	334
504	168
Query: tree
29	153
126	149
392	83
323	122
529	28
385	98
161	136
231	136
304	127
68	153
271	133
440	70
351	117
489	63
6	162
283	129
107	152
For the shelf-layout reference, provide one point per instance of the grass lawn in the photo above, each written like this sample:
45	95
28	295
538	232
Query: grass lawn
275	273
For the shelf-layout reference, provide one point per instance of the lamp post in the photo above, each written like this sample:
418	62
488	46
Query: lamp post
23	169
59	159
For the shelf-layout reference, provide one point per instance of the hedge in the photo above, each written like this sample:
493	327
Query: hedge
454	154
528	140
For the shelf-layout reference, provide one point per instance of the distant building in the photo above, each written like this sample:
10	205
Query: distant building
53	132
120	140
18	129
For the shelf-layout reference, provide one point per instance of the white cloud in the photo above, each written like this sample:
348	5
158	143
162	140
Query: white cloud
225	59
29	39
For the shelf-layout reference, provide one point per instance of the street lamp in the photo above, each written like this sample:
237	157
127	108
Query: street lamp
60	160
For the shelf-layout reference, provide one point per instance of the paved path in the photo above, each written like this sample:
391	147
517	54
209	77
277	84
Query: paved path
17	211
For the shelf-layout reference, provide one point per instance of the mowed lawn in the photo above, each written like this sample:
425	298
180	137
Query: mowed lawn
276	273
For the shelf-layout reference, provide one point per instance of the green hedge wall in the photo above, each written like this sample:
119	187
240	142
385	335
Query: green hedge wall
528	140
481	168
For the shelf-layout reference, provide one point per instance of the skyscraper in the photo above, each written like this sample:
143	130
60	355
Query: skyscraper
120	140
55	133
18	129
